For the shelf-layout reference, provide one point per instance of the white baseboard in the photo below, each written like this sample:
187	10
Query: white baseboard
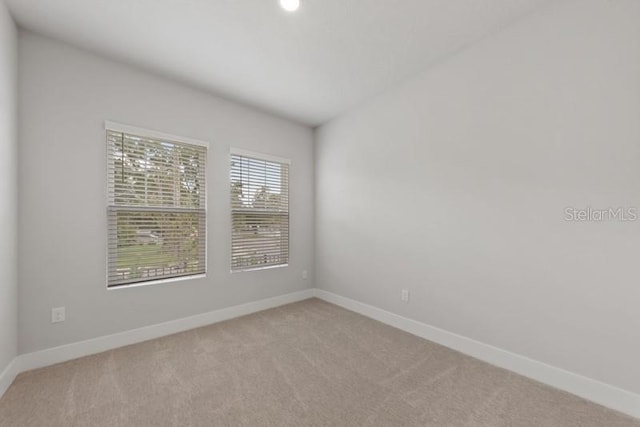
587	388
596	391
8	375
63	353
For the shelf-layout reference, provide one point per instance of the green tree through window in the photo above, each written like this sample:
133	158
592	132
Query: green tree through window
157	212
260	212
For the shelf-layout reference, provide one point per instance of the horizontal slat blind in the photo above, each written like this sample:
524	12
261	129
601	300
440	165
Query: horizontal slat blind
157	209
260	212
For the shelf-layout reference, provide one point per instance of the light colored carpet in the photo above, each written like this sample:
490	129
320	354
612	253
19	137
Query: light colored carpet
304	364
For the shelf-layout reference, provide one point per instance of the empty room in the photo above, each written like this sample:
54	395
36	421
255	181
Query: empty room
320	213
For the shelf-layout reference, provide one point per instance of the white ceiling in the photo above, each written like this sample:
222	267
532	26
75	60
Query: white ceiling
309	66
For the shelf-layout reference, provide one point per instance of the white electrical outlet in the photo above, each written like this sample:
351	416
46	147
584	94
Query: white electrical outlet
404	295
305	274
58	314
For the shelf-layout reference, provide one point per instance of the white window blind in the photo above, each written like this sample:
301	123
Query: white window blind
157	208
260	212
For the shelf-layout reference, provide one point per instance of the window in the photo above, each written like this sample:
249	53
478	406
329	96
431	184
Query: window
259	211
157	207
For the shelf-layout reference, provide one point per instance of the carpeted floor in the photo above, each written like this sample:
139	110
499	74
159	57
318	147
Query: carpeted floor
304	364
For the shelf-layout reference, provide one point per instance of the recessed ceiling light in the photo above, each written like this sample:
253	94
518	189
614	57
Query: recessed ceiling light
290	5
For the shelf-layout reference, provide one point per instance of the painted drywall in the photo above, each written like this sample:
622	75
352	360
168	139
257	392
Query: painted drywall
8	188
65	95
454	186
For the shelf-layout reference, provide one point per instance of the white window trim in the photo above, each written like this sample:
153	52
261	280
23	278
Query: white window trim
157	282
119	127
269	267
261	156
267	157
154	134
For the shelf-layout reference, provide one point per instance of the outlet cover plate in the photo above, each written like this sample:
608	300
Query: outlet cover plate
58	314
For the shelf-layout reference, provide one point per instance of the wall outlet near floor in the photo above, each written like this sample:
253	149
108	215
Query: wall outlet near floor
404	295
58	314
305	274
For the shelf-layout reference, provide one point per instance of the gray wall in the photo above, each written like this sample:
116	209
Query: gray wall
8	185
454	186
65	95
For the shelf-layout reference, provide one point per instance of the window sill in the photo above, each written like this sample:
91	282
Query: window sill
270	267
156	282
